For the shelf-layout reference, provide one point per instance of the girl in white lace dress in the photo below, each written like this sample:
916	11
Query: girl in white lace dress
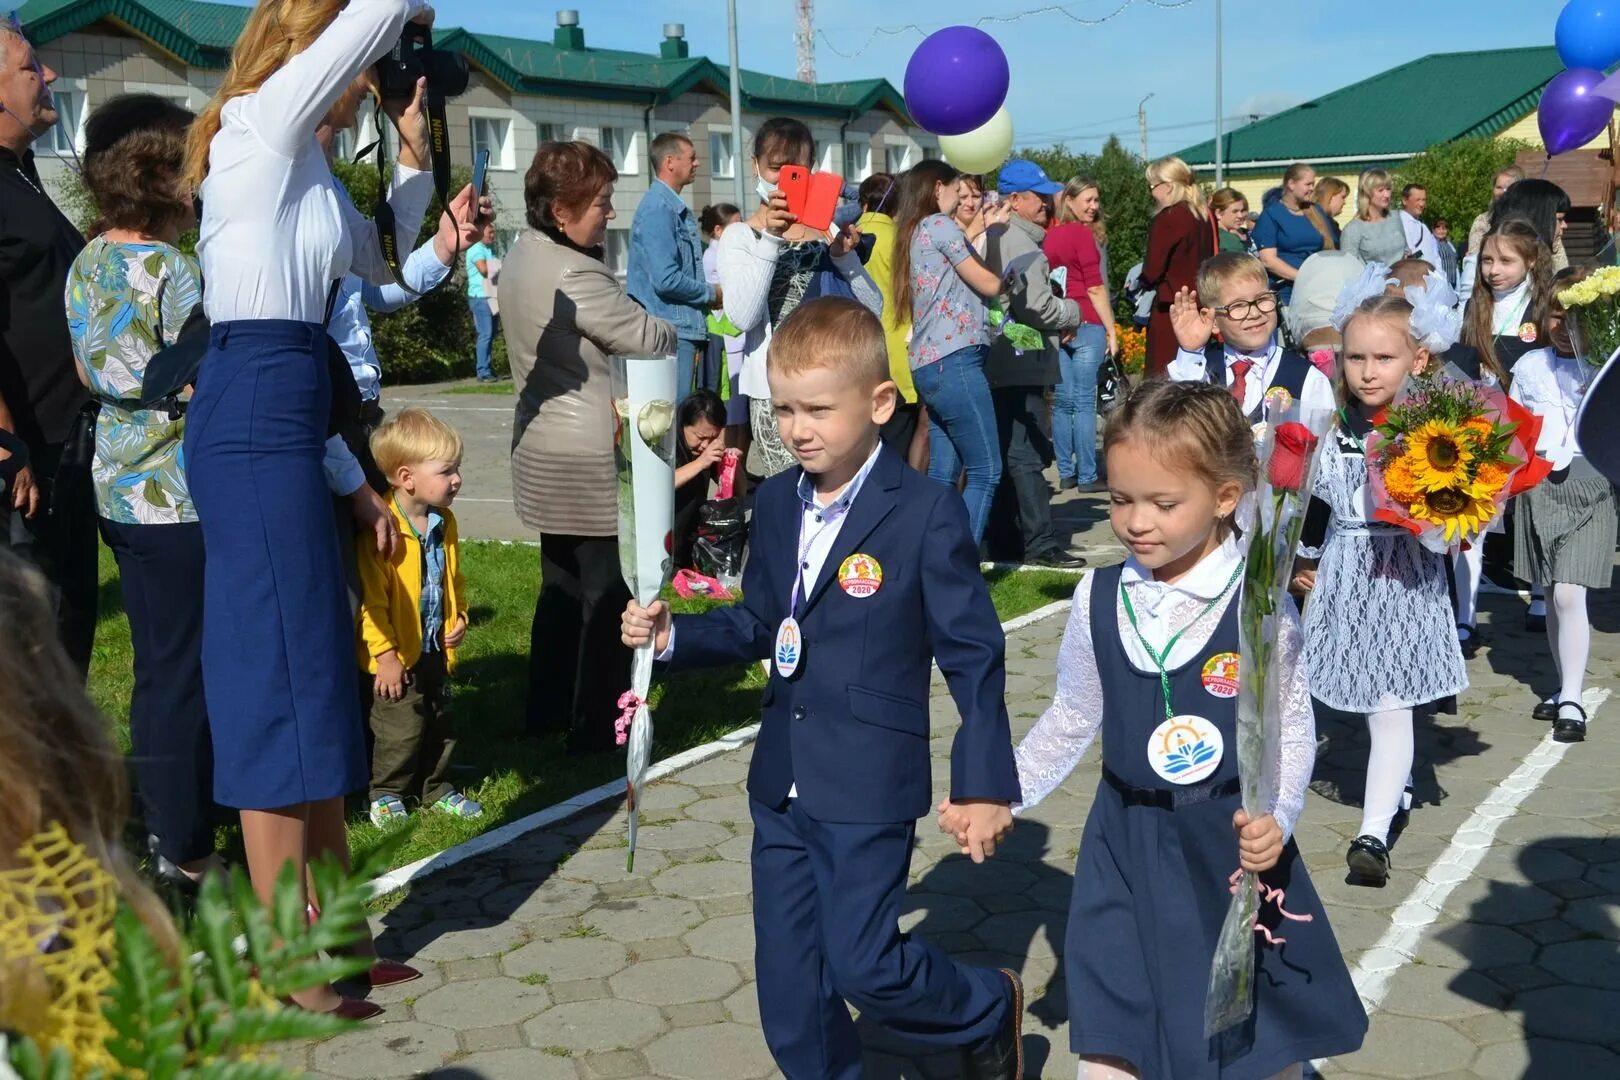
1149	661
1379	633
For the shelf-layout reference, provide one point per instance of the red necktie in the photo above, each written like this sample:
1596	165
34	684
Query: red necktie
1240	379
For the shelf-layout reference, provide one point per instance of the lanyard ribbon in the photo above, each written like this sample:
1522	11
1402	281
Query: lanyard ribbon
828	517
1160	657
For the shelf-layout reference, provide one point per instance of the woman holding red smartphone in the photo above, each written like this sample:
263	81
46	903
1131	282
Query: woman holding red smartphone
770	263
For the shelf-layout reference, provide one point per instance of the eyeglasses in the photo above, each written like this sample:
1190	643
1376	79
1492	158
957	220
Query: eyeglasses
1265	304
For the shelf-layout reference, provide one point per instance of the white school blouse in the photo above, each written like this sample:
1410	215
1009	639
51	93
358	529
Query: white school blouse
1059	739
1552	386
275	232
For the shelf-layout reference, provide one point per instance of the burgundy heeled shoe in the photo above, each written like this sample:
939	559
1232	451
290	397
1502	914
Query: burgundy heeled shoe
355	1009
382	972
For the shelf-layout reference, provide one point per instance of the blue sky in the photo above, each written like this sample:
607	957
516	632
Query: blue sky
1071	82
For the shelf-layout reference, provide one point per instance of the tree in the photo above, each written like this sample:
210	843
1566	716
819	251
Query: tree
1127	206
1457	176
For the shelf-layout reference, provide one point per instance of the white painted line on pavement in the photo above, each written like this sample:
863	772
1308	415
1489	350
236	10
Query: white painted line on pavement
1422	908
405	875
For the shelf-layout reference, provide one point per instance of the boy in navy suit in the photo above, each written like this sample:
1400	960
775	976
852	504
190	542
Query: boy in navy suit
862	574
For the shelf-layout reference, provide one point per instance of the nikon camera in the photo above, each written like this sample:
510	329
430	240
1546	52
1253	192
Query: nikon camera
414	56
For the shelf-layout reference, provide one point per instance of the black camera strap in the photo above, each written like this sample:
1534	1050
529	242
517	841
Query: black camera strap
439	157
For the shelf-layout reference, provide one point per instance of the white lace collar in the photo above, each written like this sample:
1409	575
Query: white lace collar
1203	583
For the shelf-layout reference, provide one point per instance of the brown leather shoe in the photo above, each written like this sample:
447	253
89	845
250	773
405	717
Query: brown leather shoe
391	973
355	1009
1002	1058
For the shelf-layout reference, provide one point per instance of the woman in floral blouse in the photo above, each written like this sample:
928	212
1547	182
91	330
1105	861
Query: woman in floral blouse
128	294
941	280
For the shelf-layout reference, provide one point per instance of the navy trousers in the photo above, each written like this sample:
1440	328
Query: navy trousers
826	913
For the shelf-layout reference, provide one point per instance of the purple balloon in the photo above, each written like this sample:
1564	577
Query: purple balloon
1571	113
956	80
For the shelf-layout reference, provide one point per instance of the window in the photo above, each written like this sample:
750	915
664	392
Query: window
722	155
617	251
544	133
65	136
857	160
493	133
619	145
896	159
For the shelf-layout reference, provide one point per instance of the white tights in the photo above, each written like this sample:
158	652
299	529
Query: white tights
1569	635
1389	769
1115	1069
1470	567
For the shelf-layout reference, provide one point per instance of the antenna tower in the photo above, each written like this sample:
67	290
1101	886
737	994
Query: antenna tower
804	39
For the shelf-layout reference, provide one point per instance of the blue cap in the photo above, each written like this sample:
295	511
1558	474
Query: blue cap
1021	174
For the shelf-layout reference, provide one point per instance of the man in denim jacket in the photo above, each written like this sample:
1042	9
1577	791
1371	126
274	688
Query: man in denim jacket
666	257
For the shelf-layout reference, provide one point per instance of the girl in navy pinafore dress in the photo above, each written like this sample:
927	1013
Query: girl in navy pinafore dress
1149	660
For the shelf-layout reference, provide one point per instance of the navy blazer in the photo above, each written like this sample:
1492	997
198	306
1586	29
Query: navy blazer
851	728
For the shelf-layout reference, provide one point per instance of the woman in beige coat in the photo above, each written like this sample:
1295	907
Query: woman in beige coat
564	314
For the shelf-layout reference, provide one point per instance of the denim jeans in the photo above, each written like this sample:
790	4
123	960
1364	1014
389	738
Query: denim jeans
1074	405
1021	513
962	429
484	322
687	356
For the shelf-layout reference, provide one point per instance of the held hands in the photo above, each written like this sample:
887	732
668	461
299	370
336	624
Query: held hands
643	624
1193	324
390	681
978	825
1260	841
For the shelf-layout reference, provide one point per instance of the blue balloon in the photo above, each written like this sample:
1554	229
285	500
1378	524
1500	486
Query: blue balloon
1588	34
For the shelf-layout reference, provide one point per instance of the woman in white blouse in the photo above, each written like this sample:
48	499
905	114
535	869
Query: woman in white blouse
275	234
769	264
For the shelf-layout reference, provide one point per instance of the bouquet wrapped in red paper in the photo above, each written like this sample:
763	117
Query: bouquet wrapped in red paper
1446	457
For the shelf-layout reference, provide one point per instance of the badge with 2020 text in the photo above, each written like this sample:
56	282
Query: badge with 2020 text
860	575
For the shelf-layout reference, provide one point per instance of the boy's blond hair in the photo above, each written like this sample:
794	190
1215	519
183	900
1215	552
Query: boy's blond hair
412	437
1218	271
832	332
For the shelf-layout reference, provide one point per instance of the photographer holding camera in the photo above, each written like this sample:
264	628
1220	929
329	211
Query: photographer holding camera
276	236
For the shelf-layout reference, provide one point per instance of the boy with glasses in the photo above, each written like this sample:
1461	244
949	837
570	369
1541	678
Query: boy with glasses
1227	335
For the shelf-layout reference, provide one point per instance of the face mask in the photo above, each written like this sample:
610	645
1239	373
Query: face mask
764	189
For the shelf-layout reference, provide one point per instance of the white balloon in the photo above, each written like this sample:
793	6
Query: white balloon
984	148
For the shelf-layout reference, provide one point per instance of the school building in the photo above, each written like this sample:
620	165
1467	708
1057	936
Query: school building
1382	121
523	93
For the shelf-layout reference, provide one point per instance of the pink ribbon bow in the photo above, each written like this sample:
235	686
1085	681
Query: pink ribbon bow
1268	895
628	704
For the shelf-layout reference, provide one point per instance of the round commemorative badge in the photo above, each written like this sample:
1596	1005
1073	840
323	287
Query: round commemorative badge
1185	749
860	575
1220	675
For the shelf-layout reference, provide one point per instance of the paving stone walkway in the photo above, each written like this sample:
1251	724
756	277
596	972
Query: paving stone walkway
545	960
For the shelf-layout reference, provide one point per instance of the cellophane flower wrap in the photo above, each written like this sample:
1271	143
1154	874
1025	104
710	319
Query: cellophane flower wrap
1447	455
644	456
1593	308
1287	443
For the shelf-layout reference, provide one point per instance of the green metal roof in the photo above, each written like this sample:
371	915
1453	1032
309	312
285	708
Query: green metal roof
1398	112
201	34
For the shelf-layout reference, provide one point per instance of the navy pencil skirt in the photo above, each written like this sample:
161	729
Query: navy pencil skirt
278	638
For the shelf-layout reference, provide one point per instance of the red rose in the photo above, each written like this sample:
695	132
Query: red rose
1290	455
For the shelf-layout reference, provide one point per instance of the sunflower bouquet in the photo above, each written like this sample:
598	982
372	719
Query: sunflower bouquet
1447	455
1593	304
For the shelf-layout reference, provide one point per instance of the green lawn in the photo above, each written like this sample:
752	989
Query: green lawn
502	388
511	773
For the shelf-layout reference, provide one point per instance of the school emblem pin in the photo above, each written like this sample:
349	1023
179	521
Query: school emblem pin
1527	333
860	575
1278	400
1220	675
1185	749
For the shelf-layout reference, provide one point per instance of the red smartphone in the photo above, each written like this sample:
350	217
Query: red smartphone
811	197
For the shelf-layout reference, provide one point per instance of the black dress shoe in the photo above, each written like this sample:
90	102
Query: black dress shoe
1535	624
1569	729
1545	711
1058	559
1002	1058
1469	644
1368	860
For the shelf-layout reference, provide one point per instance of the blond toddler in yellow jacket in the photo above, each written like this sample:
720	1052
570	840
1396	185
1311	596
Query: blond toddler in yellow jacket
413	617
